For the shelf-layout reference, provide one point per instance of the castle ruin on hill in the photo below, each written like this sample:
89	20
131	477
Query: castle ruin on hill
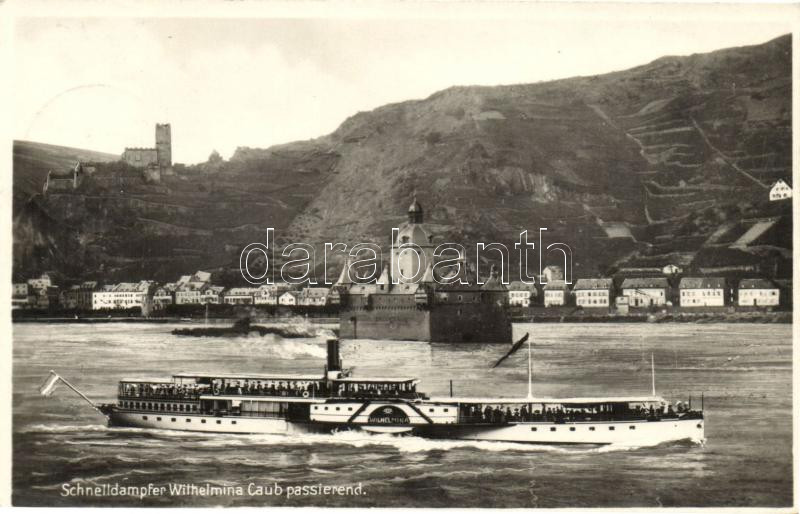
154	162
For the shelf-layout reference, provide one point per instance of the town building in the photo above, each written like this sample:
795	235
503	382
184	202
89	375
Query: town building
22	295
211	295
593	292
289	298
79	296
521	294
46	298
702	292
314	296
125	295
780	190
19	295
407	303
758	292
556	293
240	296
154	162
267	295
164	295
42	282
189	293
671	269
646	291
190	288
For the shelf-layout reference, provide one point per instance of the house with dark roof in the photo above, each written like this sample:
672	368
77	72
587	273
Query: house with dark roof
702	292
645	291
593	292
758	292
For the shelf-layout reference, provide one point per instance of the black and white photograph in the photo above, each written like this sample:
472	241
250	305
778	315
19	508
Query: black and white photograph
417	255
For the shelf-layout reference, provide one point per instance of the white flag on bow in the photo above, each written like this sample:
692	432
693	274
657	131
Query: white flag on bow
50	383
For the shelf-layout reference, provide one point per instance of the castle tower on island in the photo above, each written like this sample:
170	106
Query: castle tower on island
154	162
410	302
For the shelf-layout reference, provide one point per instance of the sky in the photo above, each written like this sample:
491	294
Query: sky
103	82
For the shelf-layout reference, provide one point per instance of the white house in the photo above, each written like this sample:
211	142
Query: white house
780	191
240	295
555	293
521	294
125	295
289	298
593	292
702	292
211	294
645	291
189	293
671	269
758	291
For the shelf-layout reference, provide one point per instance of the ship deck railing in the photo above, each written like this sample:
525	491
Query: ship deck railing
503	419
193	396
170	397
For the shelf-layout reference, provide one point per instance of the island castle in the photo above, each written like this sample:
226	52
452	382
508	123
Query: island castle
423	308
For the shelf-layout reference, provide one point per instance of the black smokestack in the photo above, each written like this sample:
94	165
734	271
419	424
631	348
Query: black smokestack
334	362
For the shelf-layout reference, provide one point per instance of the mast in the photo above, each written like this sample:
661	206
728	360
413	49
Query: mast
530	372
653	373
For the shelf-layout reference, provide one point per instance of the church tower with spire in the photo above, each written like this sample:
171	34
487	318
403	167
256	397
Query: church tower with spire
412	248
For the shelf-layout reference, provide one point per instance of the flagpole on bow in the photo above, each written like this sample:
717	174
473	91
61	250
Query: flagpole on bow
54	377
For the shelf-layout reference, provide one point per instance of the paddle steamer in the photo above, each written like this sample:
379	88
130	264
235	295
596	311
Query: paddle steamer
335	400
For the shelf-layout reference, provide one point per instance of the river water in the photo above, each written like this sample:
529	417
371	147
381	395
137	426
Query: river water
742	370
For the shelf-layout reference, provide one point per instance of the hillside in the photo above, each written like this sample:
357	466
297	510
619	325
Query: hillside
666	162
32	161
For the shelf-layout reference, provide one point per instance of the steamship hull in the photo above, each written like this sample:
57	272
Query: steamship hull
409	419
256	403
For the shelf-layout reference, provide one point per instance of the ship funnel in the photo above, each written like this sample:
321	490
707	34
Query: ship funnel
334	361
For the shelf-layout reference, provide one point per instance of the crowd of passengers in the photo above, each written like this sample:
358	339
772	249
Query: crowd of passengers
377	390
290	388
297	388
235	387
499	414
164	391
